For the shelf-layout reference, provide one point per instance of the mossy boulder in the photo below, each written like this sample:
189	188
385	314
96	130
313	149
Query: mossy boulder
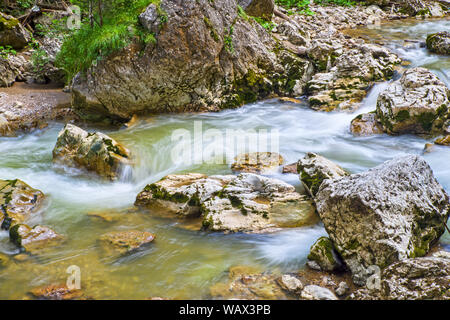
392	212
18	202
12	33
248	202
366	124
324	254
417	103
123	242
439	42
34	239
94	152
181	194
222	60
257	162
314	169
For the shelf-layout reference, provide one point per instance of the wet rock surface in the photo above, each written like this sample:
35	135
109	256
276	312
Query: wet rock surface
248	202
315	169
439	42
123	242
257	162
18	202
416	103
55	292
371	222
34	239
95	152
366	124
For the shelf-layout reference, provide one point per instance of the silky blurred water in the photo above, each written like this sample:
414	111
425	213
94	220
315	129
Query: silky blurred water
182	263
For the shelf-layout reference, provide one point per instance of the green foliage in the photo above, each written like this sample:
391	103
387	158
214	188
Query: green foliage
302	6
268	25
57	28
344	3
6	51
39	59
228	40
89	45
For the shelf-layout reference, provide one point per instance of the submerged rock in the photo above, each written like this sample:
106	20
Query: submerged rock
4	260
227	61
389	213
416	103
92	151
56	292
12	33
324	254
439	42
246	203
366	124
122	242
257	162
314	169
18	202
34	239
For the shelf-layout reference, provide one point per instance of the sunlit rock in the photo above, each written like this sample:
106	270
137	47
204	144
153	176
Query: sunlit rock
18	202
248	202
313	292
444	141
314	169
426	278
348	75
92	151
34	239
257	162
394	211
366	124
324	254
416	103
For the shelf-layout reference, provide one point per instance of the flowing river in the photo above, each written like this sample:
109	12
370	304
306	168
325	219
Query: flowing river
183	263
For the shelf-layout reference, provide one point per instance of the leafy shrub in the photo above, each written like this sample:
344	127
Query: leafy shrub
90	44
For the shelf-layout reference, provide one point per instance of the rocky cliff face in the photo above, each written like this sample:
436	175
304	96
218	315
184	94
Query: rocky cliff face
208	56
